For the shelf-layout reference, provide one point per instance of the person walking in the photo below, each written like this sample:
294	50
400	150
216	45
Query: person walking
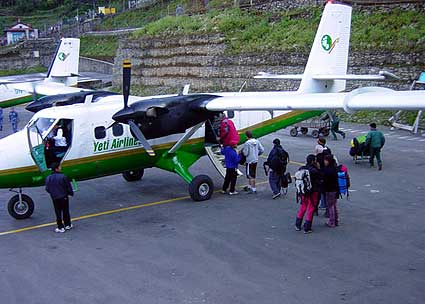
231	160
59	187
277	161
335	126
309	199
331	188
252	148
375	140
14	119
1	119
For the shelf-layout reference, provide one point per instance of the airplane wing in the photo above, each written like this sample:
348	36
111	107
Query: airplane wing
382	75
368	98
44	88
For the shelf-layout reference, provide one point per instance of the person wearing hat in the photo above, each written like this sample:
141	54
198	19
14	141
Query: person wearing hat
375	140
277	161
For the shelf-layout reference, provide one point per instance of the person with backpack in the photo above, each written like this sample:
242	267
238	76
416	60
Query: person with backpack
375	140
307	184
331	188
231	159
277	161
321	150
252	148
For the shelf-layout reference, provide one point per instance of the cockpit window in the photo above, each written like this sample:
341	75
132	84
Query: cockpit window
41	126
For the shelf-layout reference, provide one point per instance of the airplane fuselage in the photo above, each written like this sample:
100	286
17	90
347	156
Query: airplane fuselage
95	151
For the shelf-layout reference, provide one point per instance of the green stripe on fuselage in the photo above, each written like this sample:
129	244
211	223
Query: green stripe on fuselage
117	162
17	101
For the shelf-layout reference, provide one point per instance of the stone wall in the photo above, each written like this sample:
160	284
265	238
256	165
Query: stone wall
27	54
166	65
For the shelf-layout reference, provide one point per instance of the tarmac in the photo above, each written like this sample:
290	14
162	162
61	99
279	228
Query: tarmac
147	242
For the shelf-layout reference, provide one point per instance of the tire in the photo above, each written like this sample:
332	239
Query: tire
133	175
304	131
293	132
201	188
315	133
19	210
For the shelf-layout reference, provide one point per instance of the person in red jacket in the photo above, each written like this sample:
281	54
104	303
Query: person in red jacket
229	136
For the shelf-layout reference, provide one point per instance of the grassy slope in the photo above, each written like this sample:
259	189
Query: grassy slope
38	69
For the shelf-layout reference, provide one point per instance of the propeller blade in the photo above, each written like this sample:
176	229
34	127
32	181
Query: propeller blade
112	125
141	138
126	78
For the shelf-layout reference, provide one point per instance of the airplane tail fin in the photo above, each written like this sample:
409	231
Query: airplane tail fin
329	53
64	66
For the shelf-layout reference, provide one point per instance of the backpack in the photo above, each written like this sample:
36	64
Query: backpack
303	181
279	160
343	181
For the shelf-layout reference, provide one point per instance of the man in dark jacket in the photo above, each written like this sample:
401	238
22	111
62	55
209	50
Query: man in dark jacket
375	140
309	200
277	161
59	187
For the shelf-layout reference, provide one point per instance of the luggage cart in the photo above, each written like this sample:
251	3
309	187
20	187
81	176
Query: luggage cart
318	126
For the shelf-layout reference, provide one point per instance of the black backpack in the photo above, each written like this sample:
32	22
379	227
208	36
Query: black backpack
279	159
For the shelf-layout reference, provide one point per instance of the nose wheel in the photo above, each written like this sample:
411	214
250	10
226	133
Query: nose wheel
20	206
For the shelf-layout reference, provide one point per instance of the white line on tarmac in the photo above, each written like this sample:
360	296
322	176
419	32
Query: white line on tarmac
403	137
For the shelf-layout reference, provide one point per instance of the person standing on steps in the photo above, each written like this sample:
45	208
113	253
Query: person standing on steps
375	140
252	148
59	187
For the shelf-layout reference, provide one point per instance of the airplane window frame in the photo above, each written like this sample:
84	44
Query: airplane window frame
121	130
96	132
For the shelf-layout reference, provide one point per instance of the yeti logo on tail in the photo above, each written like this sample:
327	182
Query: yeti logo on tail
62	56
327	43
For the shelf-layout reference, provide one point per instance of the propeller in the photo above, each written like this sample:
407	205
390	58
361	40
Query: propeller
126	115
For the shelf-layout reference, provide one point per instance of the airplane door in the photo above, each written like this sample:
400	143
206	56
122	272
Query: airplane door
36	131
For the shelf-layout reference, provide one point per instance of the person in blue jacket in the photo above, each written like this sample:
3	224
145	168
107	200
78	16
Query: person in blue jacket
231	160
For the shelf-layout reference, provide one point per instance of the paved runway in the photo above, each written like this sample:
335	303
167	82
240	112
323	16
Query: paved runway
239	249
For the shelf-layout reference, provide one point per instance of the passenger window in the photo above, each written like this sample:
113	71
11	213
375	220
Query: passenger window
117	130
99	132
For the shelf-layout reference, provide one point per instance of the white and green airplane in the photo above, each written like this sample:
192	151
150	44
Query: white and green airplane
172	132
61	77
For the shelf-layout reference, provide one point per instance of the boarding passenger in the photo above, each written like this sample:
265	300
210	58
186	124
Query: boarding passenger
59	187
1	119
375	140
14	119
277	161
229	136
252	148
231	159
331	188
310	181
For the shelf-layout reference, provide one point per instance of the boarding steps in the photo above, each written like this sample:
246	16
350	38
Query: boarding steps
217	159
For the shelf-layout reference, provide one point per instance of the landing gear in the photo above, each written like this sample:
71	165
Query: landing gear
133	175
20	206
201	188
293	132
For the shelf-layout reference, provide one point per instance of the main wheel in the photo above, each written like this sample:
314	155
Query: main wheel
315	133
20	210
293	132
304	131
133	175
201	188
